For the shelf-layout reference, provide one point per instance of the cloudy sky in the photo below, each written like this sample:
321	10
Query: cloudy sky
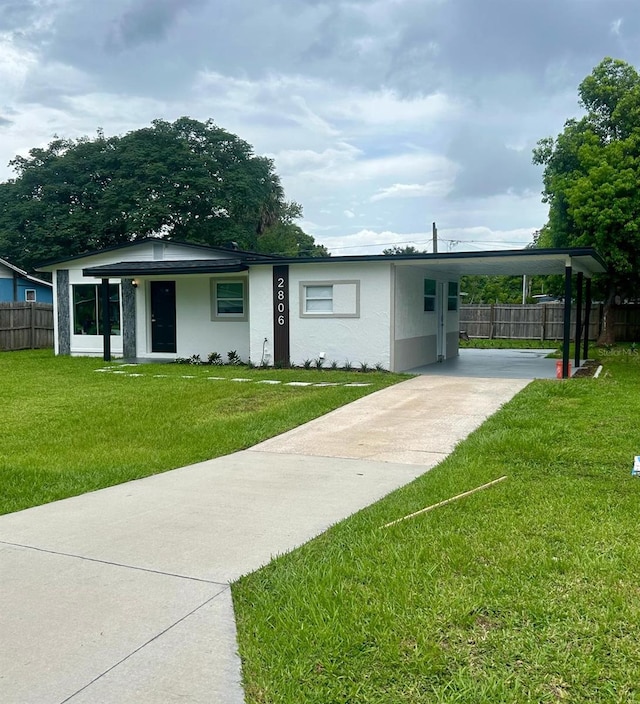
381	115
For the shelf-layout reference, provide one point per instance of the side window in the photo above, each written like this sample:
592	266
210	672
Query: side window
228	300
87	309
30	294
452	299
318	299
338	298
429	295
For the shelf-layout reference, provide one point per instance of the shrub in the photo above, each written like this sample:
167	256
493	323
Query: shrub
364	367
307	364
215	358
347	366
319	362
234	358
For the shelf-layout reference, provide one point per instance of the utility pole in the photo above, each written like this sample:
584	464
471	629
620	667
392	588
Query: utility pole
434	231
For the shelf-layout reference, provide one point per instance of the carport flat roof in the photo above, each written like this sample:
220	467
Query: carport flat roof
486	262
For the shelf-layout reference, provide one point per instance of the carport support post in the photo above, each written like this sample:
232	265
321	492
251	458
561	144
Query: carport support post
106	321
587	318
579	281
567	321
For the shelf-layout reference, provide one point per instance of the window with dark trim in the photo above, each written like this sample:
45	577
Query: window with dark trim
87	309
30	294
452	299
429	295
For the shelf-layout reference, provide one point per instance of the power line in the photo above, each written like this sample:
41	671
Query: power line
418	242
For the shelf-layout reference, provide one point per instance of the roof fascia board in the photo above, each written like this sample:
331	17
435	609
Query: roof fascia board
46	266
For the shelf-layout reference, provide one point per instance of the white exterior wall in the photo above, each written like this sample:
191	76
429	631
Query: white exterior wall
415	330
196	332
261	315
365	338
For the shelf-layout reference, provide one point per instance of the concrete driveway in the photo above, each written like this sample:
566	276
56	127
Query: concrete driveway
122	595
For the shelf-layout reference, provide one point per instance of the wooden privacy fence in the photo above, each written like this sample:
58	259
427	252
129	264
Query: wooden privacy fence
26	325
542	321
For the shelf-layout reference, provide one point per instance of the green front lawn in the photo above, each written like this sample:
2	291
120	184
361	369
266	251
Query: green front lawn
525	592
68	429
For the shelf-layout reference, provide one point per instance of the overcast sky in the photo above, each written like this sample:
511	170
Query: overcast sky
381	115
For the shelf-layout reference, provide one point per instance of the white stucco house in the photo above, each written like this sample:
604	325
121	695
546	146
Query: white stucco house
161	299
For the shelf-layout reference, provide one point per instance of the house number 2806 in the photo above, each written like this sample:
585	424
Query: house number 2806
280	301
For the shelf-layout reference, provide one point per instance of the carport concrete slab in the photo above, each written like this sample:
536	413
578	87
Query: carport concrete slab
418	421
65	621
496	364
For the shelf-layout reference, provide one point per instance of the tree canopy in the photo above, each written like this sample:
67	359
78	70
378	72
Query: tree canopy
592	178
186	180
397	250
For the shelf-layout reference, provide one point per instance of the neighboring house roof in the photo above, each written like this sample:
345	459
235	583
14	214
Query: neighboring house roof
24	275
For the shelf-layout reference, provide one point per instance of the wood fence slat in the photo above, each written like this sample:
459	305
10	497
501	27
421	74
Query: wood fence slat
542	321
26	325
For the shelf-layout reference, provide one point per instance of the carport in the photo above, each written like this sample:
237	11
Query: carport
576	265
495	364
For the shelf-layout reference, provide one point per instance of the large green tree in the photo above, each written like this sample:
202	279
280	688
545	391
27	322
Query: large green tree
592	181
186	180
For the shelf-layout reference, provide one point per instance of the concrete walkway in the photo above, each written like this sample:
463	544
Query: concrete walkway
122	595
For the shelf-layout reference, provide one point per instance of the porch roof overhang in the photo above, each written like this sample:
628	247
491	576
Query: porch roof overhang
166	267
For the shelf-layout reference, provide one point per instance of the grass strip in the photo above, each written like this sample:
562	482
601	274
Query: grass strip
526	593
68	429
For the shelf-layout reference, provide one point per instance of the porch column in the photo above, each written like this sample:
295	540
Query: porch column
587	319
567	321
63	306
576	358
106	321
128	293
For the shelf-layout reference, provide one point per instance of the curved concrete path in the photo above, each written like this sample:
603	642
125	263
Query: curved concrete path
122	595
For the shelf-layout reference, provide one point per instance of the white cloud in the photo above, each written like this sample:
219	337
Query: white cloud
413	190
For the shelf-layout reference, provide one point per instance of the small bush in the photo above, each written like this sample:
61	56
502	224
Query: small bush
307	364
347	366
319	362
234	358
215	358
334	365
364	367
380	367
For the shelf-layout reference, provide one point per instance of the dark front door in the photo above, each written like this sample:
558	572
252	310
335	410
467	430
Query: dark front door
163	316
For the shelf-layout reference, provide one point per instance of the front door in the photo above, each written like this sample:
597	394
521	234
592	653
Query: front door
163	316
